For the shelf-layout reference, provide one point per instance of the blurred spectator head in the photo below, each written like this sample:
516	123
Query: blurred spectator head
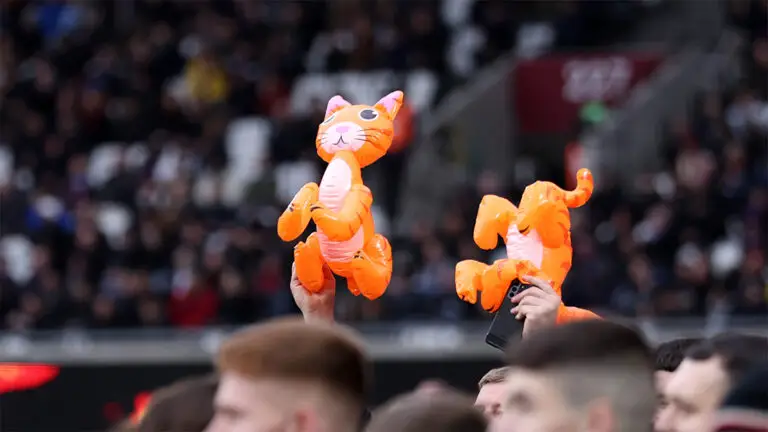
704	377
492	392
184	406
579	373
438	410
285	373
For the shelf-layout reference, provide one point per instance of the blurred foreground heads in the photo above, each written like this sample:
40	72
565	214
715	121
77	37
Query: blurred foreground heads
428	409
587	376
184	406
710	368
286	375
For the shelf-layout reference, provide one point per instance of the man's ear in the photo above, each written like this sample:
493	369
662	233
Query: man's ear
334	104
600	417
391	103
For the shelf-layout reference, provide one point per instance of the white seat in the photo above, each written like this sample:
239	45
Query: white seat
6	165
103	163
233	186
461	54
167	166
726	256
365	88
17	252
309	88
291	176
420	90
247	143
113	220
380	220
136	155
456	13
247	148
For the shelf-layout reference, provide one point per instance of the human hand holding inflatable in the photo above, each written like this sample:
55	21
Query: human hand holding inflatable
538	239
350	138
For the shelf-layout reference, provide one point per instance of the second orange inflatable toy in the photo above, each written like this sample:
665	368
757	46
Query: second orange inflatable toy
349	138
537	235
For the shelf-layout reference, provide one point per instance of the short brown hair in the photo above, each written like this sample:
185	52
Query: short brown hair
444	411
184	406
670	354
739	352
290	349
494	376
595	359
587	341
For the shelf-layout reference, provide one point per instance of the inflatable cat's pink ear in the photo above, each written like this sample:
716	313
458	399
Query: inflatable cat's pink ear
390	103
334	104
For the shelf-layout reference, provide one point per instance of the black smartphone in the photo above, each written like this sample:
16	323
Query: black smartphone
505	326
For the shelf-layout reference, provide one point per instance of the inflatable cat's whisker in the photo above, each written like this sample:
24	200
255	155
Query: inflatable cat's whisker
537	235
349	138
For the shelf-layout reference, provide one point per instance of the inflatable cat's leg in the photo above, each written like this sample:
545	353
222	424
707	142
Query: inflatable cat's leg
494	286
372	268
309	264
343	225
496	279
468	284
352	286
295	218
493	218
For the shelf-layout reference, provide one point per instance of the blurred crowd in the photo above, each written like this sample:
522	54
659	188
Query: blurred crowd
126	202
693	237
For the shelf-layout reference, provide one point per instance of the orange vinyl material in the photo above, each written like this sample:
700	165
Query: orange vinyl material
537	235
349	138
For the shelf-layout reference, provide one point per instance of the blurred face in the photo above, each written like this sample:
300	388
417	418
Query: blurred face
490	399
692	395
246	405
533	403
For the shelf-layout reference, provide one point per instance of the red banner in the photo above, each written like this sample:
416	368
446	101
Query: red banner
549	91
24	376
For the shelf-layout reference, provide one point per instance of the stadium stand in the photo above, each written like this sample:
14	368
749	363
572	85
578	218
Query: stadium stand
142	167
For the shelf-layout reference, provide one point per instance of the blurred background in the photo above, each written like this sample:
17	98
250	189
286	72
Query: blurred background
148	146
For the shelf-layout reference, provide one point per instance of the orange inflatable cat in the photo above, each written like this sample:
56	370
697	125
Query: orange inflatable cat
350	137
538	240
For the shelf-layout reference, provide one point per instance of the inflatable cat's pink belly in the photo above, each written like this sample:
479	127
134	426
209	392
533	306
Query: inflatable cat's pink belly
524	247
334	187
